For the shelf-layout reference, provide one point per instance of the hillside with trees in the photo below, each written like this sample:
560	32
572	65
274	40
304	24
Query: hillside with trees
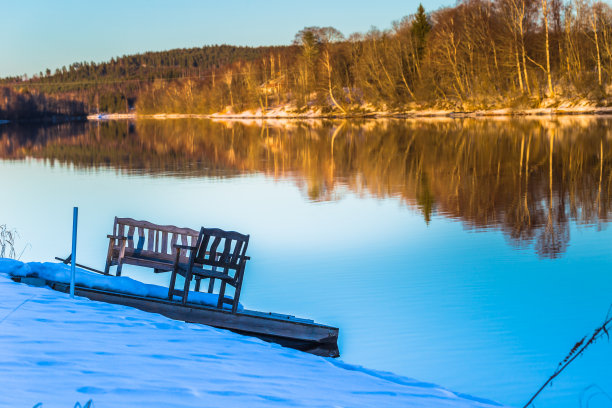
114	86
478	54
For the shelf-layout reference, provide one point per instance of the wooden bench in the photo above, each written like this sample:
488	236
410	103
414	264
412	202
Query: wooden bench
149	245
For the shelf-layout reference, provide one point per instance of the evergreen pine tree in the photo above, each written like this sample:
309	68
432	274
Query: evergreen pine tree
420	29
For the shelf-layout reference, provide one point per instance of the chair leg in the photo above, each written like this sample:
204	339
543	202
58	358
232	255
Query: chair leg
188	276
211	282
236	298
221	295
197	285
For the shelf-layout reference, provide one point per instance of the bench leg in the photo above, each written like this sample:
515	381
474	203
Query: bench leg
197	285
172	284
175	270
120	258
119	267
109	257
188	276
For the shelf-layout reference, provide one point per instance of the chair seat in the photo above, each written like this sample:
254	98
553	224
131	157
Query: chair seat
207	273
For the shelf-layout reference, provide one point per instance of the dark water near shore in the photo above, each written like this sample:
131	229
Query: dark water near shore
469	253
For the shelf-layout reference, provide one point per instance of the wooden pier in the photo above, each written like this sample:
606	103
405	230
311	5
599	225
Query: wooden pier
288	331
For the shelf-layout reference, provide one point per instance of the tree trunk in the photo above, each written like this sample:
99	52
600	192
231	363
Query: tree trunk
594	26
524	62
518	68
548	77
327	64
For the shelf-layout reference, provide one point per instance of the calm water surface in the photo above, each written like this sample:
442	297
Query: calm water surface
469	253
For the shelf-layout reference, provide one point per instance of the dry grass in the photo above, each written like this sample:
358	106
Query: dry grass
7	242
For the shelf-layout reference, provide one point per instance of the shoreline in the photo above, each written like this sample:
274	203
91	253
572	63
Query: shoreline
99	369
282	114
46	120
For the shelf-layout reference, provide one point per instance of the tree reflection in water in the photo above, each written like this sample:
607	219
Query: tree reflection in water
527	177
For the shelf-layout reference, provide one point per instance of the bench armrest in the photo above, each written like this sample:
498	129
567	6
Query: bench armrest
116	237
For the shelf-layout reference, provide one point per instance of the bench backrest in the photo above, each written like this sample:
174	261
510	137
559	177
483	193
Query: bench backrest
151	239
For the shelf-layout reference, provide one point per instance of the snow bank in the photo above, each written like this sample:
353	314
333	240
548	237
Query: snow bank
111	116
57	351
60	272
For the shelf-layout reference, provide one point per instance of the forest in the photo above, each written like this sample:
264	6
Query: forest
477	54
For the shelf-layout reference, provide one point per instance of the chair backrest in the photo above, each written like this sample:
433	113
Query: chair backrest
146	237
222	249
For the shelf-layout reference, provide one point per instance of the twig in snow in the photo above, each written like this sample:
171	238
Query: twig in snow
576	351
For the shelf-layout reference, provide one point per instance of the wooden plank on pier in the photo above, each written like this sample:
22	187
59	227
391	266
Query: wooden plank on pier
286	330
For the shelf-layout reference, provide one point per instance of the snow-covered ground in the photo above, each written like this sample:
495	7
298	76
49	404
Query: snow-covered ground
59	272
56	351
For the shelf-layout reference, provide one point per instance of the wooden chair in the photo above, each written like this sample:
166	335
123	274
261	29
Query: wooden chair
207	261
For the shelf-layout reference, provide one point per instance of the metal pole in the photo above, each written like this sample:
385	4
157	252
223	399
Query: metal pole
75	217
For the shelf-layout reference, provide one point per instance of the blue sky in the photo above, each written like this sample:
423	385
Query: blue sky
39	34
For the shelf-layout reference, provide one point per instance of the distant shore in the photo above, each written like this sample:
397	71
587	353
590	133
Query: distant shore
285	114
55	119
312	114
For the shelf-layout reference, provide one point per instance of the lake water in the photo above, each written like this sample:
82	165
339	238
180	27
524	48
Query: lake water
469	253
